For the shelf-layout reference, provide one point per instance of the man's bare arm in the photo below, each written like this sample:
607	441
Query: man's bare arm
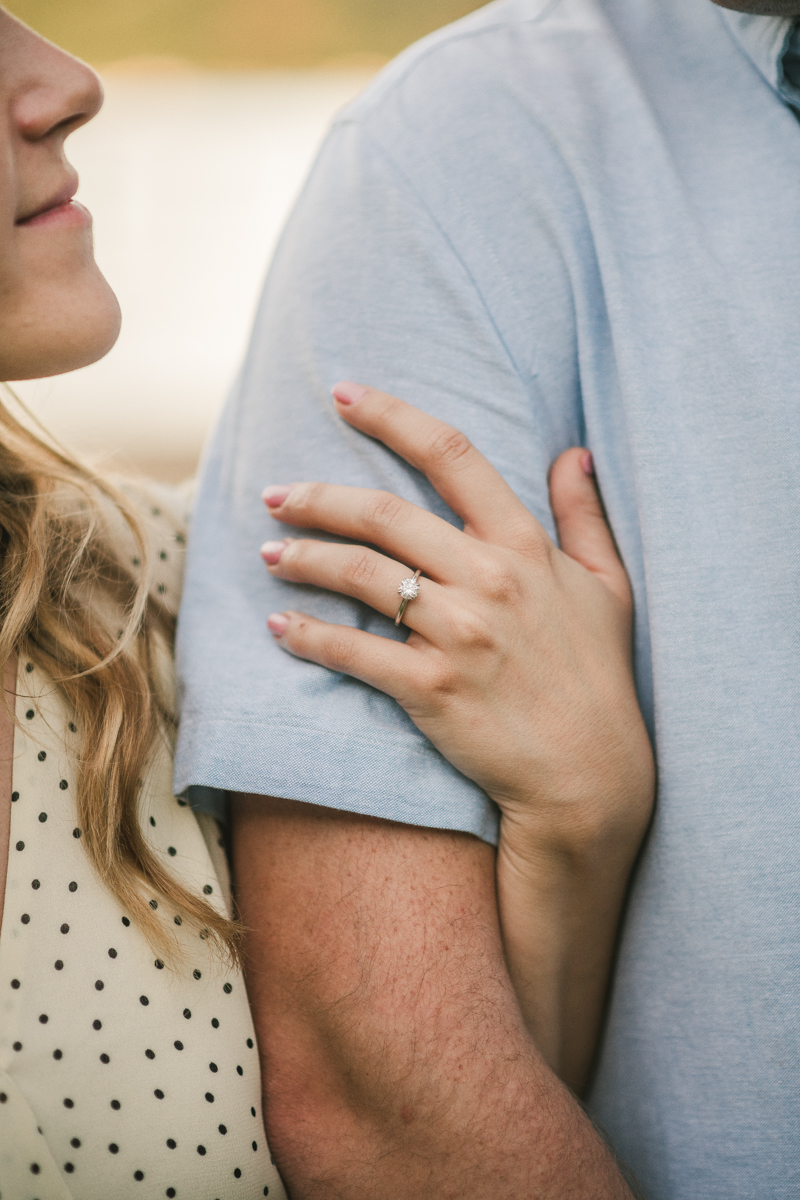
395	1059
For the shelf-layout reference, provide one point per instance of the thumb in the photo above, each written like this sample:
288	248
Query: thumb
583	530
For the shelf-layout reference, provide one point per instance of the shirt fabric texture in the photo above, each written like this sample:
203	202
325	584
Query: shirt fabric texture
564	222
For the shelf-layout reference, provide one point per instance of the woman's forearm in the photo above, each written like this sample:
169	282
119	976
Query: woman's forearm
560	915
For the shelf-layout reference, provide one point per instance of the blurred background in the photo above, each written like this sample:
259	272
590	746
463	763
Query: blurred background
214	110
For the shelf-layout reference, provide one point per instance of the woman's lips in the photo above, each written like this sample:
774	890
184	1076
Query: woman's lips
71	213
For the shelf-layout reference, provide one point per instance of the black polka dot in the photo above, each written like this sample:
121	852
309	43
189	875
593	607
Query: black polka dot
126	921
112	952
223	1129
161	589
213	1067
73	887
210	1097
207	889
159	964
115	1104
162	554
136	562
159	1095
170	1192
75	1143
76	833
114	1148
154	904
30	714
25	918
15	796
178	1045
43	817
65	928
62	783
29	667
183	803
153	822
3	1097
138	1175
104	1058
73	728
43	1018
35	884
42	755
97	1024
58	1055
250	1043
17	1046
214	1023
266	1191
69	1168
196	973
150	1053
69	1103
35	1168
237	1174
201	1149
15	984
144	1000
252	1111
99	985
187	1012
239	1071
171	851
255	1145
20	845
171	1143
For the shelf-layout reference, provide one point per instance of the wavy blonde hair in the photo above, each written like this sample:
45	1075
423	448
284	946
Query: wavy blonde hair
70	603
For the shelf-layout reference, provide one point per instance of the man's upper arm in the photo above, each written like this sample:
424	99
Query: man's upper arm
395	1060
376	279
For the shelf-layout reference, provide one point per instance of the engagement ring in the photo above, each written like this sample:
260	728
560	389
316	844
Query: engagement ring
409	590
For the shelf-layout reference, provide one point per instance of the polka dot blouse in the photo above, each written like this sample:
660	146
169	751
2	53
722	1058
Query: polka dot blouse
119	1075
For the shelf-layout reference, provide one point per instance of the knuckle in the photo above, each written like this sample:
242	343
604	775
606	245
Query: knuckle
382	510
449	446
499	583
339	654
472	630
359	568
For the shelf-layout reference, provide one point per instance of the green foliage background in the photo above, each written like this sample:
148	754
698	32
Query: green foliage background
236	33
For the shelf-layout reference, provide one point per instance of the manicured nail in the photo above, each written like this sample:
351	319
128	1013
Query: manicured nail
277	623
587	463
275	495
348	393
271	552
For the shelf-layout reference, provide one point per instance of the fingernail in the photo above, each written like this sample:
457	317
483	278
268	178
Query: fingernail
275	495
277	623
271	552
587	463
348	393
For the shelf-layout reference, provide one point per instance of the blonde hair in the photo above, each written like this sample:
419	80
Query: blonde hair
70	604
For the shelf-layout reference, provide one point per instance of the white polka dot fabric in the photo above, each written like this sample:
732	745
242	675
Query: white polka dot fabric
119	1075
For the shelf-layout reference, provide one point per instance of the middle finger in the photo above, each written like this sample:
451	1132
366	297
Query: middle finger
404	530
362	573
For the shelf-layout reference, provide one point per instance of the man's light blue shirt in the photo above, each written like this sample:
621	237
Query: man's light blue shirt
559	223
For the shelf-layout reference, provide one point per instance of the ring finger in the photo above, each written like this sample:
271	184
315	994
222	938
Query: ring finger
361	573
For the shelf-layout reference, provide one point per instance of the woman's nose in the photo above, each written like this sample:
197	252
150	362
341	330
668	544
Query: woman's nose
58	93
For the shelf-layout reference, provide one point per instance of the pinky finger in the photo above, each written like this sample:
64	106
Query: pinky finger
391	667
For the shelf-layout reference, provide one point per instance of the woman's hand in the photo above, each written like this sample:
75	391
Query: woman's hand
517	667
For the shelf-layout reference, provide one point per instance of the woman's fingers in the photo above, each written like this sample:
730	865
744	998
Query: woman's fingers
389	666
359	572
583	530
409	533
466	481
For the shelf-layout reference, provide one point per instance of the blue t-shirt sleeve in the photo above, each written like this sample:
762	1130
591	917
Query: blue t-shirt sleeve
366	285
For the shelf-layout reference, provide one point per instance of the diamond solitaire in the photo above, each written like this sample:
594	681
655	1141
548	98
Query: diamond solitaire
408	589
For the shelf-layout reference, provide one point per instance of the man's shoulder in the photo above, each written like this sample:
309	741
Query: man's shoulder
490	50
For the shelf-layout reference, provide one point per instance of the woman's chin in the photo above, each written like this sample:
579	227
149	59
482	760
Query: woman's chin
62	332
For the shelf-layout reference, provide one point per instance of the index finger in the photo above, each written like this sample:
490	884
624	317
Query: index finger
463	477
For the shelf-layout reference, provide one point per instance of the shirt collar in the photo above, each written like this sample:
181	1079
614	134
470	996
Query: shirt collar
765	41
